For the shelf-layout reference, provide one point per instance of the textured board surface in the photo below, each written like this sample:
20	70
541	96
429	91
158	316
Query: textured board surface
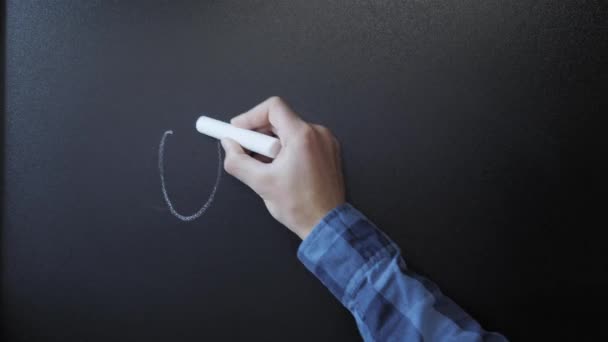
467	136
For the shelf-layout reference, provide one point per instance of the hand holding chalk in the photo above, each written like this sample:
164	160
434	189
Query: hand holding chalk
251	140
301	186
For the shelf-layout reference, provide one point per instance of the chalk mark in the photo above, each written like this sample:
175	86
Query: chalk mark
161	168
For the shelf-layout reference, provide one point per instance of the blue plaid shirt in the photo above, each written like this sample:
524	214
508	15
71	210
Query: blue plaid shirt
364	269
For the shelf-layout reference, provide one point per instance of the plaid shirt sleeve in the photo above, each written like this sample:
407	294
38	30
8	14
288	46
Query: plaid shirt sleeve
364	269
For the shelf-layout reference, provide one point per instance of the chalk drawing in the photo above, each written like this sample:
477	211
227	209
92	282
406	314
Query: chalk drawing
161	169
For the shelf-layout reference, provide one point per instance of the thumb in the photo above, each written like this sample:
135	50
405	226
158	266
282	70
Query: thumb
242	166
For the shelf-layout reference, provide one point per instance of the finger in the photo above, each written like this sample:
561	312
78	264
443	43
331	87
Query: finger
262	158
272	112
258	116
241	165
268	130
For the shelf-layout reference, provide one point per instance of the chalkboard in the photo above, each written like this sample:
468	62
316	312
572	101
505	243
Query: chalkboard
466	134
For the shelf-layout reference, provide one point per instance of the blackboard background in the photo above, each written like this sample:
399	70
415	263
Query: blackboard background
467	130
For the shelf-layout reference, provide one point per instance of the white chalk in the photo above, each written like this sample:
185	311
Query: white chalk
251	140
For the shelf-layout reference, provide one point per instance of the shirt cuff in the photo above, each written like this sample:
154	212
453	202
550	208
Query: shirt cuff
340	248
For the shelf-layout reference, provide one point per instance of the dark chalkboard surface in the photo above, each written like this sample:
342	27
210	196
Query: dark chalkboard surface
466	133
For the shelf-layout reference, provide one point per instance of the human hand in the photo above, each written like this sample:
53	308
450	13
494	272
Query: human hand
304	182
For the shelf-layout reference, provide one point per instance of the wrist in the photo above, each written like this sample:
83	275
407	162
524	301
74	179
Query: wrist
303	230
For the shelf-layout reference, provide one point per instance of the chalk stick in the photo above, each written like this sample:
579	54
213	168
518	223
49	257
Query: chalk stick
251	140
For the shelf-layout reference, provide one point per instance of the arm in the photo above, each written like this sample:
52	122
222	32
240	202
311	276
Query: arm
363	268
303	188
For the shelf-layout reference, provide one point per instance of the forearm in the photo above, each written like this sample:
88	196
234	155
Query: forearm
364	269
356	261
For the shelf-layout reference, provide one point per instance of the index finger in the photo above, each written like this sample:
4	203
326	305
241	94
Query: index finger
273	113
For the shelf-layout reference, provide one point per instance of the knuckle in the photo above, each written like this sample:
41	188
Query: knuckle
336	143
308	134
230	164
324	131
275	101
320	128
